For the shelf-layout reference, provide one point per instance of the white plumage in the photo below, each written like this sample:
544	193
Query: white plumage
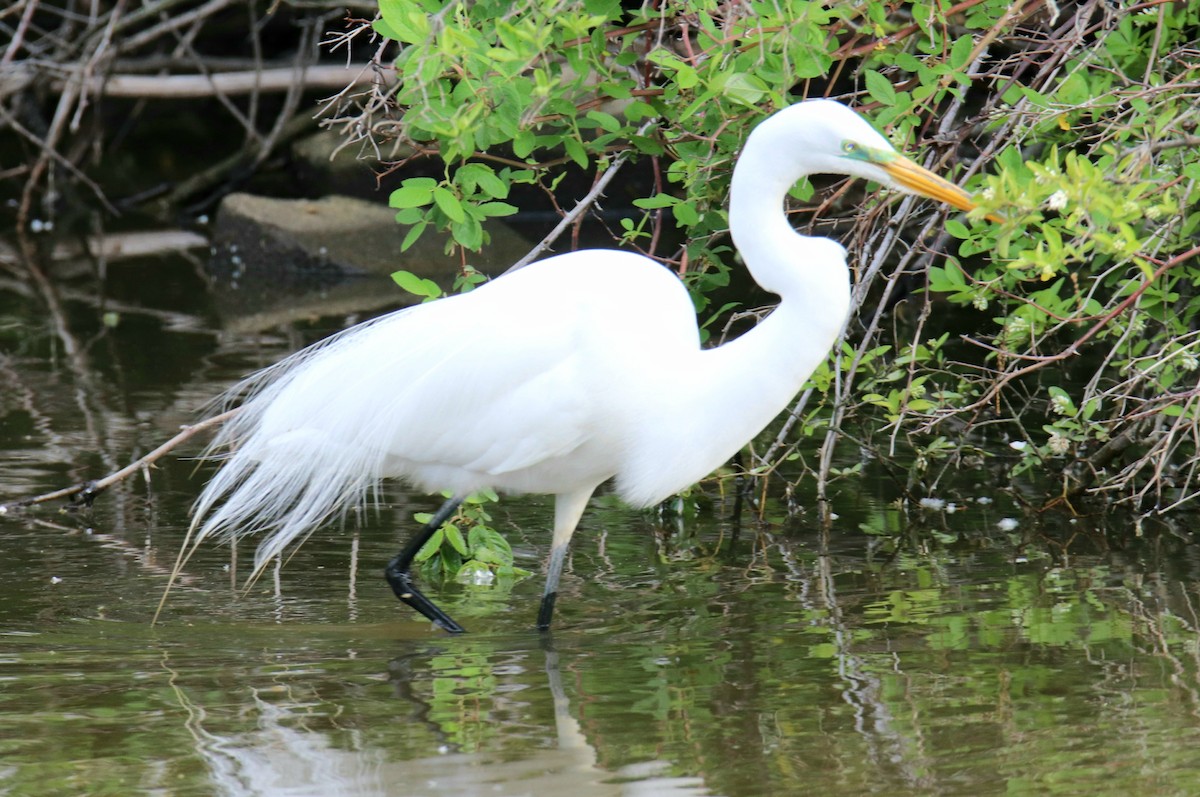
555	378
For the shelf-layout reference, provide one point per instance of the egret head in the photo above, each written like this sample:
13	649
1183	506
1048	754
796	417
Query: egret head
826	137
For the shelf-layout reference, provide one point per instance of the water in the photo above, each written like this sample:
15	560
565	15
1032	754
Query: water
931	653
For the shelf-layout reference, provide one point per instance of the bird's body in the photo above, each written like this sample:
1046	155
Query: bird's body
555	378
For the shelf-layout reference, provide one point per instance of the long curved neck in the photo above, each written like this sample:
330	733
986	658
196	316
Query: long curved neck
733	391
760	229
753	378
808	274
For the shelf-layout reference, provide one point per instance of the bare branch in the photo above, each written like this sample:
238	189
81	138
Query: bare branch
87	491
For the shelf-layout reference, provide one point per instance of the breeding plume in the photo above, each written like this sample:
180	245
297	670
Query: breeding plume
555	378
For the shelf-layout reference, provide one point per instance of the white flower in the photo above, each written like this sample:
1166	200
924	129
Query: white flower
1057	200
1007	524
1058	444
933	503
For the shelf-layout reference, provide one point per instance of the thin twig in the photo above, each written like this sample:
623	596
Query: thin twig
1041	361
87	491
580	208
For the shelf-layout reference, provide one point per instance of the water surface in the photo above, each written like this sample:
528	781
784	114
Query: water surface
925	653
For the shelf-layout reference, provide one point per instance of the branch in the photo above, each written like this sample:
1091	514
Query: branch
220	83
1042	361
87	491
580	207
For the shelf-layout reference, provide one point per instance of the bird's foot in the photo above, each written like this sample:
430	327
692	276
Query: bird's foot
398	575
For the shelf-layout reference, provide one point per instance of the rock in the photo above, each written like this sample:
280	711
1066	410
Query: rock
280	259
323	163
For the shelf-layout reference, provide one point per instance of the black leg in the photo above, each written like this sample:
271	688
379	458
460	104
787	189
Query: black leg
546	612
400	578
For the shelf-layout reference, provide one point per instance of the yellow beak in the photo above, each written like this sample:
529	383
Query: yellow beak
921	181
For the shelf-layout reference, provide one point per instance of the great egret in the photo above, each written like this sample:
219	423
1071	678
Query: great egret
555	378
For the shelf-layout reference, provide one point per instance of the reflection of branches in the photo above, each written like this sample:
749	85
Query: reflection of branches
1152	622
86	391
87	397
144	557
23	396
87	491
864	689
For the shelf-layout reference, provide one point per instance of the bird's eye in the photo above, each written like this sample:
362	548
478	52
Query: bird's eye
850	147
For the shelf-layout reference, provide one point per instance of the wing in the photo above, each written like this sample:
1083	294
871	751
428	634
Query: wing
454	394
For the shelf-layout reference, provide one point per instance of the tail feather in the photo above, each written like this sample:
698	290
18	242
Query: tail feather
280	477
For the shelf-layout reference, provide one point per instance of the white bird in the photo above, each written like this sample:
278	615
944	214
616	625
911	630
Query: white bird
553	379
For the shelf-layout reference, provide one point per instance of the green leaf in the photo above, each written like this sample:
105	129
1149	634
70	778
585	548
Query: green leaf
381	27
686	214
880	88
939	280
414	232
431	547
685	76
489	545
478	537
410	216
655	202
523	143
405	22
961	51
418	286
477	175
957	229
497	209
414	192
576	152
606	121
455	538
492	185
744	89
484	496
468	232
448	203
